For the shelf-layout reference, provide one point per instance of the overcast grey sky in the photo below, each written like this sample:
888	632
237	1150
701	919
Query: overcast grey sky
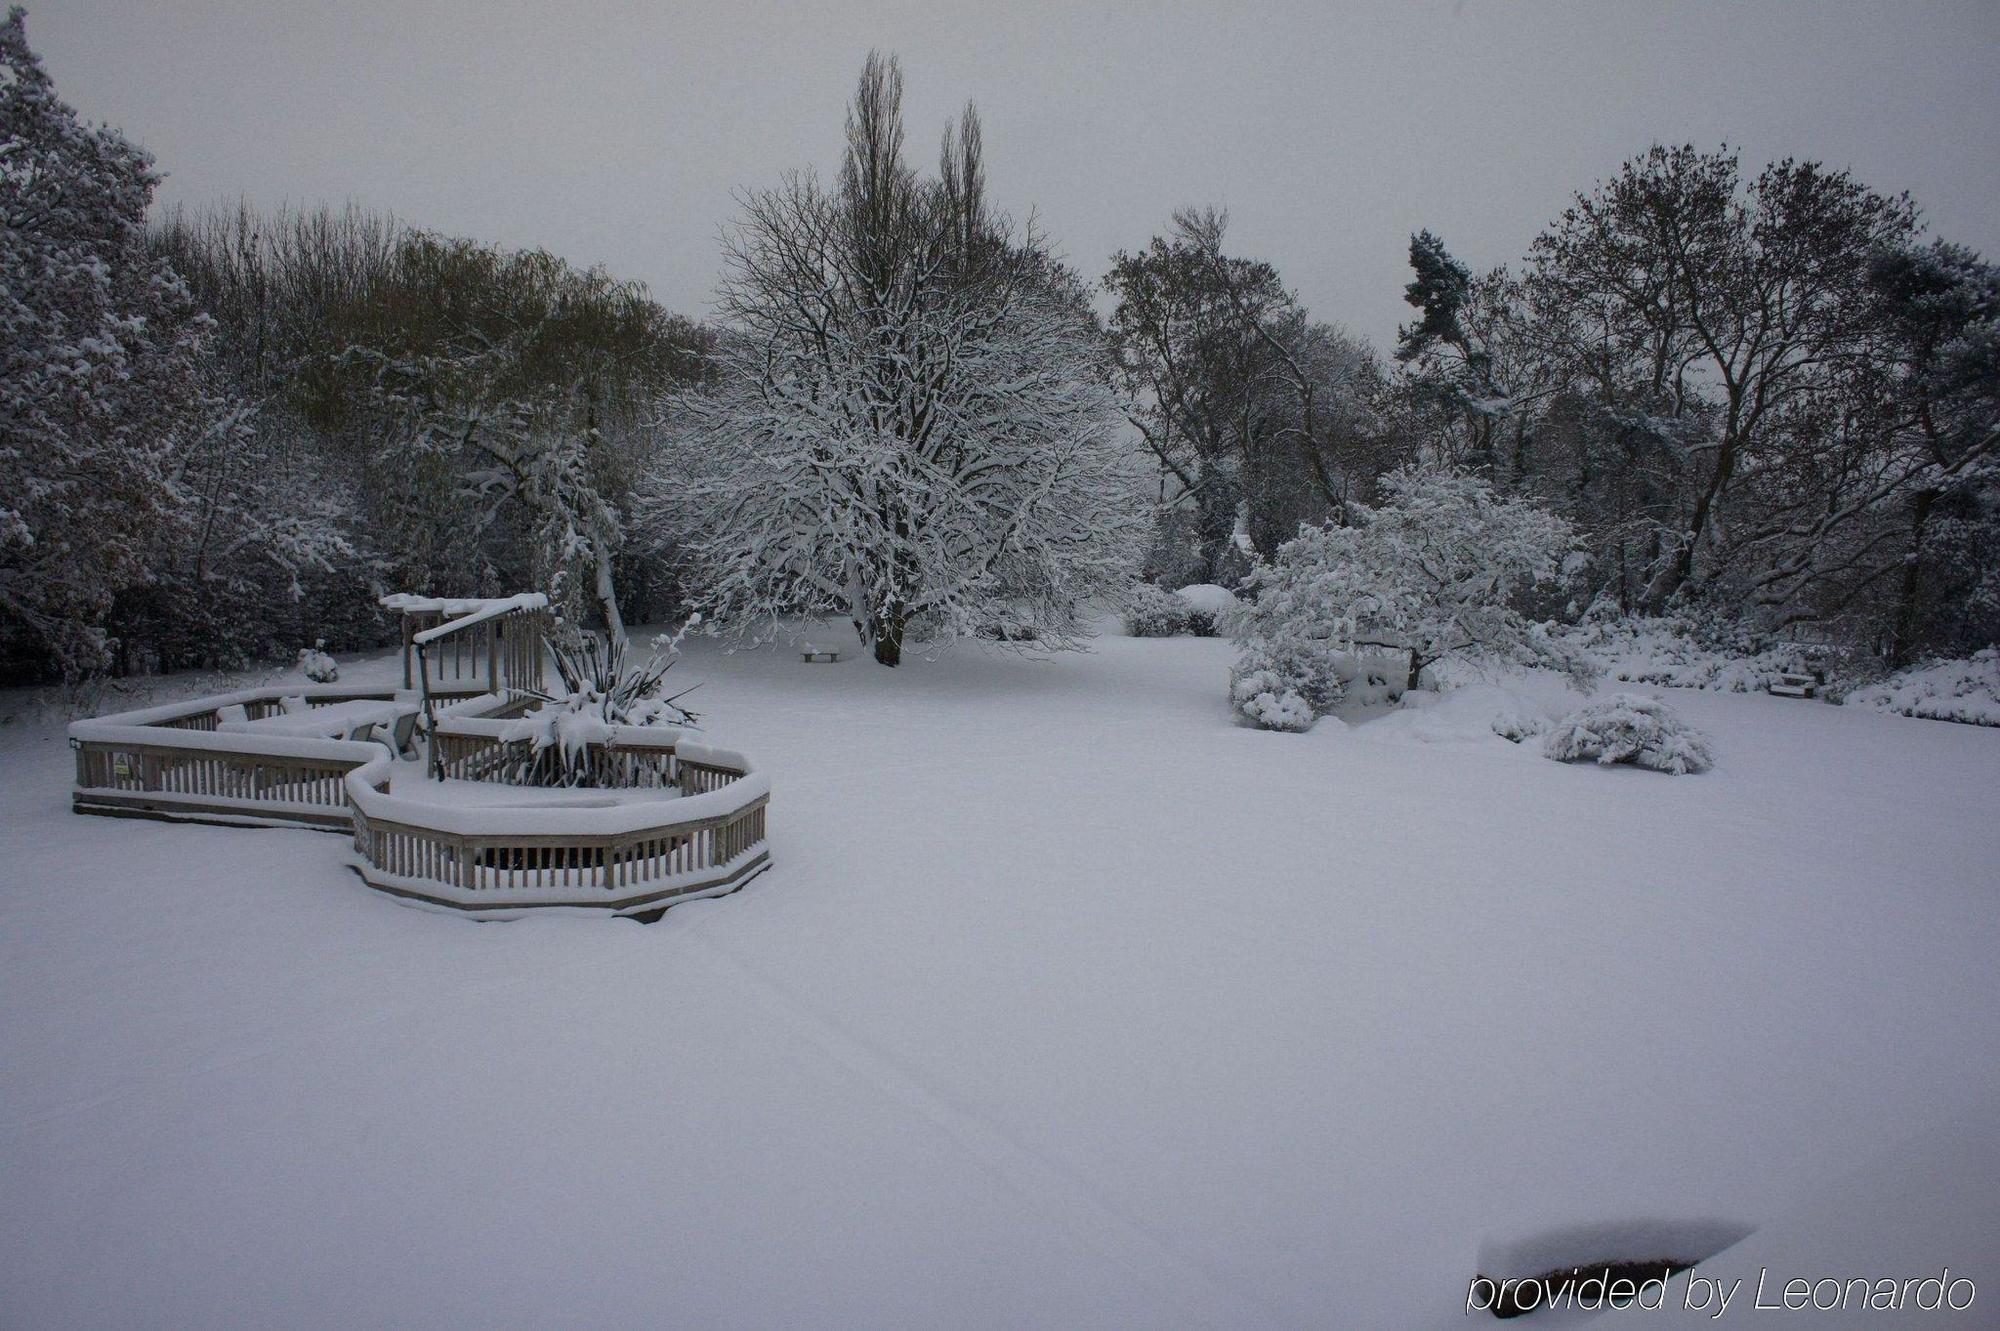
614	131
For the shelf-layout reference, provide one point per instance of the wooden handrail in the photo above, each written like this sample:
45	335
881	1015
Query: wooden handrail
634	857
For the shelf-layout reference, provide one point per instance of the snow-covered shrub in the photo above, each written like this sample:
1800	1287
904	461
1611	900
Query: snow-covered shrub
1296	670
1966	691
1691	651
1268	700
1432	574
1008	630
1370	678
1212	609
1515	724
1629	728
598	691
317	665
1153	612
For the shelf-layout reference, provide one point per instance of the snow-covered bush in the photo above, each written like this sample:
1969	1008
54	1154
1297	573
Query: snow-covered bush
1270	700
1154	612
1213	609
1202	609
1516	724
317	665
1691	651
1966	691
598	691
1629	728
1433	573
1303	677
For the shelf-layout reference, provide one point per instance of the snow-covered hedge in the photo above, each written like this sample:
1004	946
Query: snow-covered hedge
1684	652
1154	612
1212	609
1629	728
1203	609
1966	691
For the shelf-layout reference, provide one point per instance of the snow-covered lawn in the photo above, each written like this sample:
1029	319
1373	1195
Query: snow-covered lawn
1068	1003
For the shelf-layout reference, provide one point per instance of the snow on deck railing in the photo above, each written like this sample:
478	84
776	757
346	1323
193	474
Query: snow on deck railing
633	852
163	713
483	611
525	821
497	639
635	856
170	761
409	603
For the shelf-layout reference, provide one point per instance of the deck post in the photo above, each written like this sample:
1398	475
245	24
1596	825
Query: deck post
430	722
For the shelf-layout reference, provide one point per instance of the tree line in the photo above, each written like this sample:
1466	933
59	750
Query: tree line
222	433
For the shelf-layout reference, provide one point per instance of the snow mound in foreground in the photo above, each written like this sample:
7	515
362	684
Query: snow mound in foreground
1681	1242
1967	691
1629	728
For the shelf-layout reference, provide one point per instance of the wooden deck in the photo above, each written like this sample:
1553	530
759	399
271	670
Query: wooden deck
632	858
173	762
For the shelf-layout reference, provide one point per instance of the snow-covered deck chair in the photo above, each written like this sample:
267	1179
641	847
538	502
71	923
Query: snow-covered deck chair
401	735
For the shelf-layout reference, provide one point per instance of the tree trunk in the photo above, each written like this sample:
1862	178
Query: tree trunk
1905	631
1704	508
607	594
1215	526
1416	672
889	640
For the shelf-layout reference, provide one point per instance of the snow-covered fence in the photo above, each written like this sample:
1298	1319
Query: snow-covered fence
628	857
494	642
677	819
171	762
484	747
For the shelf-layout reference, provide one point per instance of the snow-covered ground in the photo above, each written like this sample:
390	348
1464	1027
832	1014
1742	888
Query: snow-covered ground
1068	1003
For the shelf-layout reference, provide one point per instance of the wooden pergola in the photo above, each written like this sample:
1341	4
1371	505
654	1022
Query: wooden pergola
458	640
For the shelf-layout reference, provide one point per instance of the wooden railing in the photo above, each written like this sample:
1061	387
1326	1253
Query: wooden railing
216	783
496	642
628	766
171	762
633	852
631	856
